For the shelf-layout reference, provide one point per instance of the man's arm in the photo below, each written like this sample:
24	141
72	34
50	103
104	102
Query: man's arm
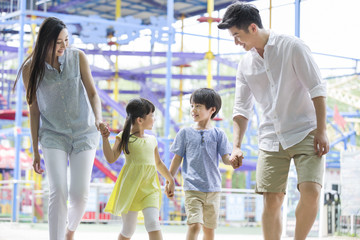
321	142
239	129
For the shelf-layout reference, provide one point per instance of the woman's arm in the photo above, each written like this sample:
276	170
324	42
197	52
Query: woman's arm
90	88
34	122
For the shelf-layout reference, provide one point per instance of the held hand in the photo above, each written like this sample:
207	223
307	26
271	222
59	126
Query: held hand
36	163
321	143
236	158
98	123
104	130
169	189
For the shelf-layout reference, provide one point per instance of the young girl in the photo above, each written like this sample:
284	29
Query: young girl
137	187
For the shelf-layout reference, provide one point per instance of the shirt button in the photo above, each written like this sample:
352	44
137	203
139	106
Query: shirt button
62	97
64	110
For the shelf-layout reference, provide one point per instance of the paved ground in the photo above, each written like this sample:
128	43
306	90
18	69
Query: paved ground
27	231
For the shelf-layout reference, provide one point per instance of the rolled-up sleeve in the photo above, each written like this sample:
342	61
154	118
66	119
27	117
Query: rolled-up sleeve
244	100
307	70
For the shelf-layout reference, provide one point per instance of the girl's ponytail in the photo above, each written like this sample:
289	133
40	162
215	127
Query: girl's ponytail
125	136
137	107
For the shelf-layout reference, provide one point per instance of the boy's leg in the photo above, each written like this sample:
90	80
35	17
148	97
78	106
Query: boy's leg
193	231
211	214
129	225
152	224
194	201
310	171
271	179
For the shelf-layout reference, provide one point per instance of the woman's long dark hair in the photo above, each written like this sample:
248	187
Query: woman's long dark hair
137	107
48	34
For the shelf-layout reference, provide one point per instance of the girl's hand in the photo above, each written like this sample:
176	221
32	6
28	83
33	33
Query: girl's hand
104	130
169	189
36	163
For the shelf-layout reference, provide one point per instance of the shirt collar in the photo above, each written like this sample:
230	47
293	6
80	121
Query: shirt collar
61	60
271	40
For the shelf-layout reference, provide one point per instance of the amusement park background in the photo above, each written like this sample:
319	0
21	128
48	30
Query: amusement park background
163	50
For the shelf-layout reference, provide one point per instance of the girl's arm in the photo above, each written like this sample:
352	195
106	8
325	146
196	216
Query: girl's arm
160	166
90	88
111	153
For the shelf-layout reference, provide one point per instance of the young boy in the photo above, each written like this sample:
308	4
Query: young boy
200	145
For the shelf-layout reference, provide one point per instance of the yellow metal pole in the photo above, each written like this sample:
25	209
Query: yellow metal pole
116	78
209	55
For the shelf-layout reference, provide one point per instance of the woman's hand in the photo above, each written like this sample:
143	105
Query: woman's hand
36	163
104	130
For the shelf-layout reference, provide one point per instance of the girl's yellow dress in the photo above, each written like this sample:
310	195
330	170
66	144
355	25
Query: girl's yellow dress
137	186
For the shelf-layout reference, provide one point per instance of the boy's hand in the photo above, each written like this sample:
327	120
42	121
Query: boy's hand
169	189
104	130
236	158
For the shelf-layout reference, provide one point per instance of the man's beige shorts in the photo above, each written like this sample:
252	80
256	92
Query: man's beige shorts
273	167
202	207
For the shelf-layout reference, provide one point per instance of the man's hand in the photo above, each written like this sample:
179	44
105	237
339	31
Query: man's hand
236	158
321	143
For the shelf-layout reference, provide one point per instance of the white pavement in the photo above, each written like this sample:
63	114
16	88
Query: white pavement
39	231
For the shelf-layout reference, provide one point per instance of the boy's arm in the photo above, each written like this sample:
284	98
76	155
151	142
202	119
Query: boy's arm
234	163
160	166
175	164
321	142
226	159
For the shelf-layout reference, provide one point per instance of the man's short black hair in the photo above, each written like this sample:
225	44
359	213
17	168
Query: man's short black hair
240	15
208	97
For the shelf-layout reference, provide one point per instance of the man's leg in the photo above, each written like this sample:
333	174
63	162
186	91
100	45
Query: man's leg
307	208
271	217
209	233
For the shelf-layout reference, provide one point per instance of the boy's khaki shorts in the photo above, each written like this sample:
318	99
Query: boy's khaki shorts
273	167
202	207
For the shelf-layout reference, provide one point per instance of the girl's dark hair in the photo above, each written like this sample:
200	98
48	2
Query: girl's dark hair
137	107
208	97
48	34
240	15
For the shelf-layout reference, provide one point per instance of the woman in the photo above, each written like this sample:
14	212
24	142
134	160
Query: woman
60	91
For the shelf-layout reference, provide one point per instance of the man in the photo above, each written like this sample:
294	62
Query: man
279	72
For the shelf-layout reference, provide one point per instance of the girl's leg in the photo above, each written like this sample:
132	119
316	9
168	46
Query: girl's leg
152	224
56	170
129	225
81	165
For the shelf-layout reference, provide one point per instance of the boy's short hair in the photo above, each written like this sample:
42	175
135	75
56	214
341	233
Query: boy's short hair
240	15
208	97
